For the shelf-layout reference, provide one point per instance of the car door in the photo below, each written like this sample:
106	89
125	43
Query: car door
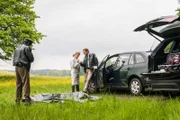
98	75
108	69
140	64
128	66
121	69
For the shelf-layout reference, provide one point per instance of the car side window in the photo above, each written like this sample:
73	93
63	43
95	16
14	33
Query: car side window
111	61
123	59
131	61
139	59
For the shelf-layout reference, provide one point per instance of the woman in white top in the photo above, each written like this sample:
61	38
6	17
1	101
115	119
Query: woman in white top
75	71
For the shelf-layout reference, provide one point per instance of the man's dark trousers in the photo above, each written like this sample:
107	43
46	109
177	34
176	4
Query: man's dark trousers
22	81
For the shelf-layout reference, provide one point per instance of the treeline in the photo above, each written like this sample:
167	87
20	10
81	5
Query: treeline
48	72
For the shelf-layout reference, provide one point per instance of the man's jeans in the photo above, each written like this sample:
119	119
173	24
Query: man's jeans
87	77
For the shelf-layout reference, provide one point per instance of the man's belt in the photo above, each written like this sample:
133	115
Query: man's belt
19	64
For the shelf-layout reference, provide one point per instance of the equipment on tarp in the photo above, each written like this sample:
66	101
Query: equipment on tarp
61	98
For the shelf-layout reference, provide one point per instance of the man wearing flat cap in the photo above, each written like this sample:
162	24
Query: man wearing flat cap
22	60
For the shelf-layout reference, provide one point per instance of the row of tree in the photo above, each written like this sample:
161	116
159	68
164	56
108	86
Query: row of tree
47	72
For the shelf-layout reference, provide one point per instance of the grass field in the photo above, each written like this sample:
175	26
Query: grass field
109	107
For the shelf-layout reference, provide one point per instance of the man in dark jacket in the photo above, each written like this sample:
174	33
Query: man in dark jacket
22	60
89	63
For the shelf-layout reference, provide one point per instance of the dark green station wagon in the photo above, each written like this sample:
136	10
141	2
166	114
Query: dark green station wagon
121	71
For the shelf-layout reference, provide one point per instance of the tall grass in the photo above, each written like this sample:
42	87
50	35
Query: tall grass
109	107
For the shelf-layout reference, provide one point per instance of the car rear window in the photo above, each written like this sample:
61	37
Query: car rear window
139	59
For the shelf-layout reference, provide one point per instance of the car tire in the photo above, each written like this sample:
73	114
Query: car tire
135	86
92	88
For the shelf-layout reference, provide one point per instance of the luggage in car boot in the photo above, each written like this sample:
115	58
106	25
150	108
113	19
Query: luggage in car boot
172	63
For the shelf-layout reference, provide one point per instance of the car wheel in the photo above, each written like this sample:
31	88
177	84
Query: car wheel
92	87
135	86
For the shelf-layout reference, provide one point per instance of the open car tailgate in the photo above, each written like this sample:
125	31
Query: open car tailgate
157	22
164	27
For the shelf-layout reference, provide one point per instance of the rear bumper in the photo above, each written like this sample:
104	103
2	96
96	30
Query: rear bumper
164	85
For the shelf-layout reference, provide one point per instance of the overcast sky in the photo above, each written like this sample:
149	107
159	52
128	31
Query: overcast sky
103	26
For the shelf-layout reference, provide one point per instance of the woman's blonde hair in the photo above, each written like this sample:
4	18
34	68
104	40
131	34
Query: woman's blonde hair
76	53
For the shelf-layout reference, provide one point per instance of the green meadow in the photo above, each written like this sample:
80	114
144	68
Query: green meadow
111	106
